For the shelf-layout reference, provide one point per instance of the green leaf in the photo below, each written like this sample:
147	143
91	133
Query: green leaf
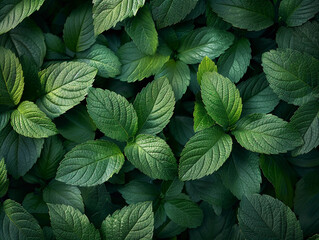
178	74
181	129
55	47
12	13
137	65
204	153
29	121
221	98
102	58
112	114
19	152
281	175
154	106
212	19
172	188
107	14
202	42
152	156
11	78
64	86
306	121
4	119
169	12
253	15
263	217
266	133
90	163
4	181
294	76
69	223
26	40
234	62
34	204
184	212
141	29
206	65
297	12
241	173
134	222
302	38
202	120
169	230
78	32
60	193
257	96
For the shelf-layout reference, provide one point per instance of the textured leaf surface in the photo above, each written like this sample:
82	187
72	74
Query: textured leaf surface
202	120
107	14
206	65
263	217
64	85
112	114
266	133
4	119
221	98
292	75
90	163
202	42
69	223
4	181
152	156
252	15
29	121
154	106
134	222
204	153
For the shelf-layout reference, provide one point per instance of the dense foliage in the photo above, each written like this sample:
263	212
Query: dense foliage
154	119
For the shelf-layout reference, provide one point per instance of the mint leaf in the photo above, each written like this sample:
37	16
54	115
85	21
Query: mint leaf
206	65
112	114
4	119
55	47
4	181
202	120
90	163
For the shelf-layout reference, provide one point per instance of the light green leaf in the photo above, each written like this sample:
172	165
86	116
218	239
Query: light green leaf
64	86
266	133
90	163
78	32
137	65
297	12
17	224
206	65
221	98
154	106
134	222
294	76
263	217
112	114
69	223
13	12
152	156
202	120
178	74
4	181
102	58
29	121
141	29
204	153
306	121
107	14
253	15
19	152
202	42
169	12
11	78
234	62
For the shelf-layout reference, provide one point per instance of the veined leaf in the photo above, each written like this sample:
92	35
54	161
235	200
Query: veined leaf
29	121
55	47
134	222
112	114
13	12
221	98
202	42
204	153
202	120
154	106
253	15
107	14
152	156
181	128
206	65
4	181
90	163
266	133
64	86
